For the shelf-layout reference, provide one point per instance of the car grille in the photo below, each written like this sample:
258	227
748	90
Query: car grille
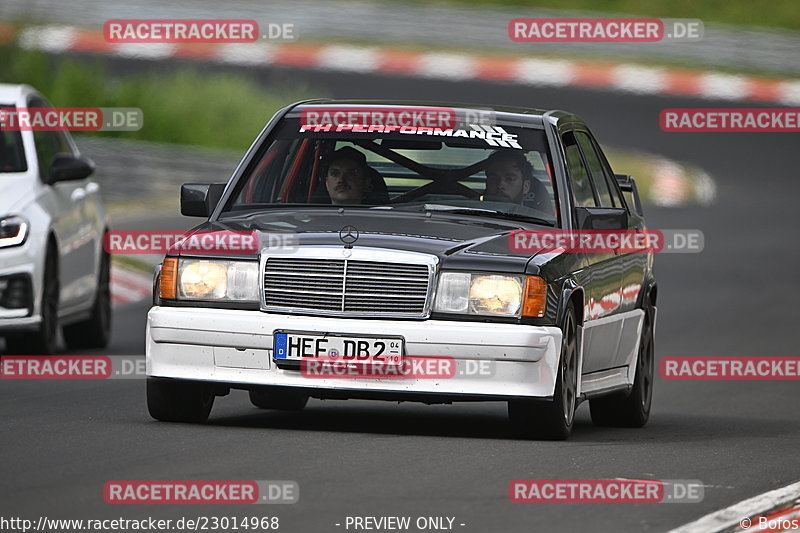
346	286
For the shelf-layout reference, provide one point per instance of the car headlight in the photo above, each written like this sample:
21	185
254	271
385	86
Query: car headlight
209	280
13	231
491	294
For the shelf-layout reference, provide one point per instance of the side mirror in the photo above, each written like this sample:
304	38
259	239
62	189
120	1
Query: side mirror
200	199
602	218
67	167
628	186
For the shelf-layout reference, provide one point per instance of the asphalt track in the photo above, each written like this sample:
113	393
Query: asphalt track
61	440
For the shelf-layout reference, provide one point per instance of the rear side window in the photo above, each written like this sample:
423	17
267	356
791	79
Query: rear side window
596	170
578	176
616	192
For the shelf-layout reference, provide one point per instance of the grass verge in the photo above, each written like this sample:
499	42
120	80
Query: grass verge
778	14
190	106
131	263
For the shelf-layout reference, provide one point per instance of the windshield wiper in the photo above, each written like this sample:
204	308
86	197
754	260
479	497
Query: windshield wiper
480	212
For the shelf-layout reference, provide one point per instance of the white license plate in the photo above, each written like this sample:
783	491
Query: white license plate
297	346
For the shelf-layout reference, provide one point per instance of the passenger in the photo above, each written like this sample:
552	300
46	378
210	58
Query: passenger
347	179
508	177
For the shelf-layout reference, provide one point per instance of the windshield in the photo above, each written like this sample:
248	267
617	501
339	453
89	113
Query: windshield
12	154
462	169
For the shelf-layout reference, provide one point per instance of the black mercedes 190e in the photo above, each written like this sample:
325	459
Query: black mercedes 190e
389	267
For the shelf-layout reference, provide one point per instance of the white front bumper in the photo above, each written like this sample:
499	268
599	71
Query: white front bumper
22	260
234	346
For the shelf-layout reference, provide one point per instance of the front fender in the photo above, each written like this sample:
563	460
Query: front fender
570	289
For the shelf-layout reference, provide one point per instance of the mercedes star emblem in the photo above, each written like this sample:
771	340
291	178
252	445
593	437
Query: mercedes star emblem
348	234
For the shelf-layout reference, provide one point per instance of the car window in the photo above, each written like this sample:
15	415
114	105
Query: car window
401	170
616	192
12	153
596	171
48	143
47	146
578	177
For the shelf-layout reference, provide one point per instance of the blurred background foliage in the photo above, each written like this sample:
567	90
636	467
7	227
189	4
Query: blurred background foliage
191	106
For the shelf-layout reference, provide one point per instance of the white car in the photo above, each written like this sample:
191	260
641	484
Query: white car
54	272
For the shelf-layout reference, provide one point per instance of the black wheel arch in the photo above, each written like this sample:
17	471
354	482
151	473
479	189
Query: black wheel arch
571	293
51	252
649	294
157	285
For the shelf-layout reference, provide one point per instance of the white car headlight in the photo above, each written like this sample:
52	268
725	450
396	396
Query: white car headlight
204	279
479	294
13	231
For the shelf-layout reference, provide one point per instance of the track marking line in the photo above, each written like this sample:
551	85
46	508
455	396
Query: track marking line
731	516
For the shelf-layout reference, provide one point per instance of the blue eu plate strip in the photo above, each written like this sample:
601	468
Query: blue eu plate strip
280	345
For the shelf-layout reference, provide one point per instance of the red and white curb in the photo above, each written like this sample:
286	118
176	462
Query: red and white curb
129	286
779	506
673	186
632	78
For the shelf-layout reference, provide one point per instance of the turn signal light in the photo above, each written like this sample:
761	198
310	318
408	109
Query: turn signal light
169	279
535	302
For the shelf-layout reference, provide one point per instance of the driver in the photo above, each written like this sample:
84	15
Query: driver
508	177
346	179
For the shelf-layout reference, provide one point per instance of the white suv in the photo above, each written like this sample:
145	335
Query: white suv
53	269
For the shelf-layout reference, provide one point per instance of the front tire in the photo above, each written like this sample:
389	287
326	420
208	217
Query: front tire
631	411
44	340
173	400
552	420
95	332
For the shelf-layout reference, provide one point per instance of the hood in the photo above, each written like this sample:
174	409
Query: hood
460	241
